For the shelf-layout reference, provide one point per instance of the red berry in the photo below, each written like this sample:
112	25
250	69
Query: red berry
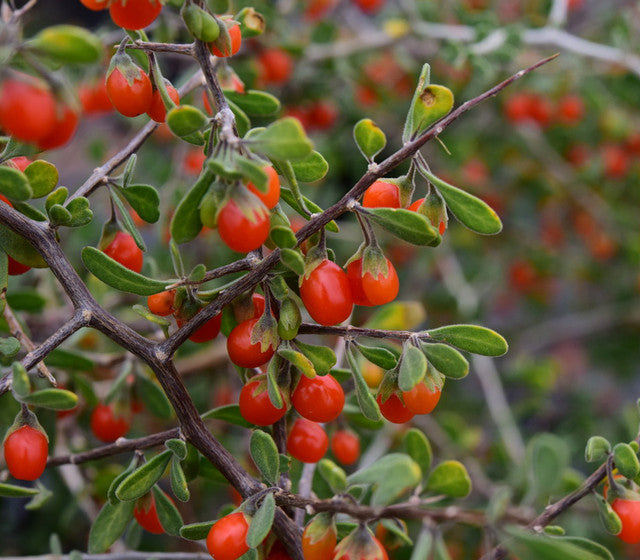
132	99
240	349
238	232
272	196
157	111
307	441
20	163
227	537
124	250
570	109
616	161
320	399
381	194
206	332
394	410
94	98
255	405
326	294
345	446
421	400
369	6
27	111
63	130
146	514
629	513
134	14
236	40
322	115
95	5
275	66
368	290
106	426
193	161
162	303
16	268
319	539
25	451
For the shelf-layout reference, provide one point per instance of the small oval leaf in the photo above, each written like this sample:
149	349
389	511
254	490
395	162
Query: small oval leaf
43	177
472	338
55	399
311	168
264	453
109	525
449	478
261	522
185	120
446	360
413	368
14	184
369	138
140	481
254	103
169	516
405	224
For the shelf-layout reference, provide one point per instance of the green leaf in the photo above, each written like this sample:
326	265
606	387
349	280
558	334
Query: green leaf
547	457
264	453
254	103
186	223
323	358
252	171
413	368
111	492
56	197
532	546
59	215
201	24
127	221
379	356
311	168
369	138
196	531
109	525
42	176
472	338
293	260
66	359
80	212
449	478
11	491
590	546
30	211
297	359
430	104
287	196
69	44
405	224
120	277
9	346
179	481
20	383
243	124
40	499
610	519
423	546
354	416
367	403
168	514
334	475
626	460
144	199
283	237
185	120
446	360
284	139
19	248
56	399
261	522
178	447
154	398
597	449
229	413
14	184
418	448
472	212
27	300
391	476
140	481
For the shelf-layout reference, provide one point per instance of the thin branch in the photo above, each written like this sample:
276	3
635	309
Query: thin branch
128	555
175	48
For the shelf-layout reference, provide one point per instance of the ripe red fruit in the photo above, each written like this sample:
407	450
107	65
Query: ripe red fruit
525	106
146	514
278	552
124	250
242	352
27	111
63	130
394	410
326	294
272	196
275	66
134	14
570	109
442	226
255	405
106	426
320	399
157	111
25	451
132	99
367	290
629	513
381	194
238	232
95	5
16	268
206	332
369	6
322	115
20	163
236	40
345	446
227	537
360	544
319	539
316	9
94	98
307	441
616	161
421	400
193	161
162	303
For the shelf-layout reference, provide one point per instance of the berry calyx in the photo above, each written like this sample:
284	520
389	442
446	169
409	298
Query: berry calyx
369	290
319	538
232	47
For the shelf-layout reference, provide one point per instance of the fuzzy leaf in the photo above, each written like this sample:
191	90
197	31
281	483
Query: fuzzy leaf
69	44
154	398
413	368
109	525
449	478
196	531
311	168
446	360
264	453
405	224
185	120
284	139
472	338
254	103
323	358
379	356
229	413
140	481
43	177
334	475
167	513
418	448
56	399
261	522
144	199
179	481
14	184
12	491
369	138
186	223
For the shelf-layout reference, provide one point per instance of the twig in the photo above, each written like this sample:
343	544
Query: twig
128	555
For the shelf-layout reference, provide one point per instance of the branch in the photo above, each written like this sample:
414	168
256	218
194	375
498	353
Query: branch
128	555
